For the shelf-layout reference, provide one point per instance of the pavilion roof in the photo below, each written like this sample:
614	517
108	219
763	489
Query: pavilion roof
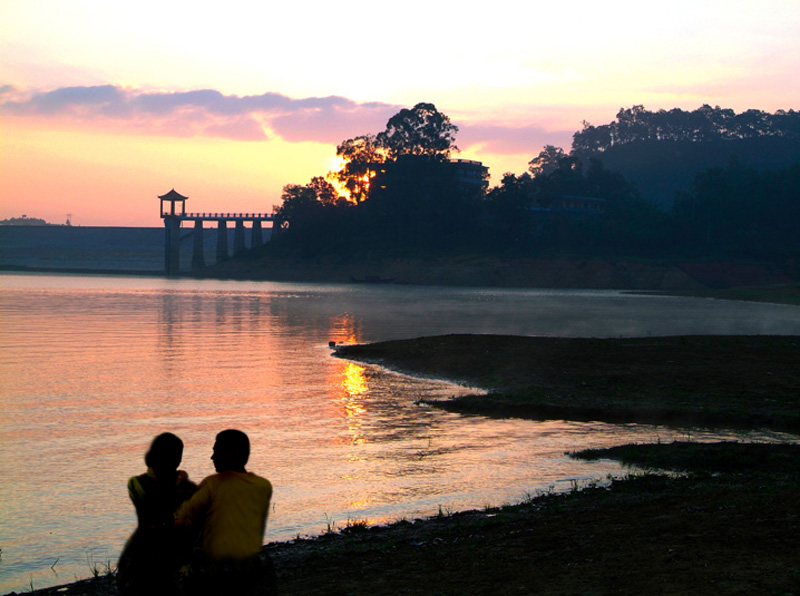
172	196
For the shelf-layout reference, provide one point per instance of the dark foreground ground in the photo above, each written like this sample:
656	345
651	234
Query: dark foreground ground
731	525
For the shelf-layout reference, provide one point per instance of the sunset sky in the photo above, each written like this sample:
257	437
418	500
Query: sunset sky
105	105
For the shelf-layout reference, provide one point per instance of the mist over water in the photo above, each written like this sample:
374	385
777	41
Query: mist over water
91	368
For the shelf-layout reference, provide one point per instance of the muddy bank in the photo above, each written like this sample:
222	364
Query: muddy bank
741	381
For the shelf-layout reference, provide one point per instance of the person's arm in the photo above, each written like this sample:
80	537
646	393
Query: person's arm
193	509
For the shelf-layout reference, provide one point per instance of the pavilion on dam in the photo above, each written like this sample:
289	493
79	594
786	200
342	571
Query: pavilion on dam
173	212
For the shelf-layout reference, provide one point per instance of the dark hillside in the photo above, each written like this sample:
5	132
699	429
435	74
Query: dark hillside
659	168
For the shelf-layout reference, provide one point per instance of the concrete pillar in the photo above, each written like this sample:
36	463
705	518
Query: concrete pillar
257	239
198	263
172	245
238	237
222	240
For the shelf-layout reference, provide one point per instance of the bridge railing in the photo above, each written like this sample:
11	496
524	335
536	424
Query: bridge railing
228	216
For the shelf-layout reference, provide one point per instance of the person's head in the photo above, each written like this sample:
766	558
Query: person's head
165	454
231	451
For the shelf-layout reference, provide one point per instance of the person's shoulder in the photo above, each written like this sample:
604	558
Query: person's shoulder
143	477
211	480
259	480
207	488
137	486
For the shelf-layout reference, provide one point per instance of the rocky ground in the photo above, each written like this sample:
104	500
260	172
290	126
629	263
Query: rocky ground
729	525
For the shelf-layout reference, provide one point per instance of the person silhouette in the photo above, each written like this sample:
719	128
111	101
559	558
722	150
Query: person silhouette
229	511
150	559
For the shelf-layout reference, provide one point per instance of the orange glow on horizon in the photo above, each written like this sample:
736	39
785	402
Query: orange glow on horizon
105	179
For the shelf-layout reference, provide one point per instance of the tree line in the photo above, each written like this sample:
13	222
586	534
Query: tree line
24	221
703	124
398	193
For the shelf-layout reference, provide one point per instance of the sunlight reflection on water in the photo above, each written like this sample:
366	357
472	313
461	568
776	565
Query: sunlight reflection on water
91	368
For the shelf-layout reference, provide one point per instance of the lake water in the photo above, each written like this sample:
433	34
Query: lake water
91	368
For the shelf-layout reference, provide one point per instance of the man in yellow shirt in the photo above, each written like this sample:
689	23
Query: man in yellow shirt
229	510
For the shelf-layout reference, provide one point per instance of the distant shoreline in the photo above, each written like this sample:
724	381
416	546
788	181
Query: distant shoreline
80	271
751	282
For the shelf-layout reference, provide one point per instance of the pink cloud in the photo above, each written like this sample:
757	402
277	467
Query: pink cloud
210	113
202	112
239	128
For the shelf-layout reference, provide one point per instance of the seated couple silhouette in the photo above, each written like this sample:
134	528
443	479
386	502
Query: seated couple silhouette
204	539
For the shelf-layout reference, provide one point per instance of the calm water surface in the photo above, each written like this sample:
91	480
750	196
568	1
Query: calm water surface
91	368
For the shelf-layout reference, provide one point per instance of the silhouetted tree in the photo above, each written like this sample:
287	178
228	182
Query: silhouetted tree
403	189
416	202
529	210
324	191
702	125
420	131
304	207
407	195
361	155
566	178
547	161
507	212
